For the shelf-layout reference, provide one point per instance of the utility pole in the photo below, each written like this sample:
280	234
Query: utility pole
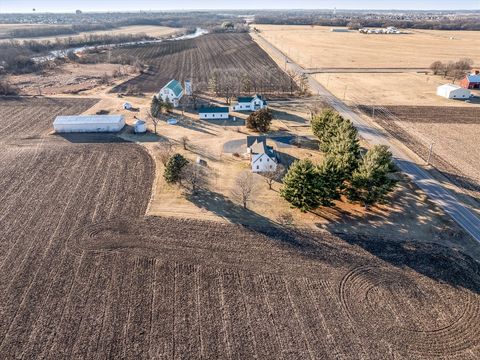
430	150
345	92
373	112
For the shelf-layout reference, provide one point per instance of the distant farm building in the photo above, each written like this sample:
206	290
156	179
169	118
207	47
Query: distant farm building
451	91
250	103
263	157
89	123
471	81
172	92
213	112
339	30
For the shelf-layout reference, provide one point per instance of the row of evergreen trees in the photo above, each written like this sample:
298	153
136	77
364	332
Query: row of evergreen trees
363	178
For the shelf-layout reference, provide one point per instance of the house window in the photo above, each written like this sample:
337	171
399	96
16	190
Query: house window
260	160
213	115
268	160
258	167
270	166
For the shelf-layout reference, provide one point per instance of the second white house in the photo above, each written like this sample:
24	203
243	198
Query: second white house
172	92
250	103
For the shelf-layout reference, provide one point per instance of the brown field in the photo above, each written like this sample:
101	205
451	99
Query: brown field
390	89
235	56
151	30
84	275
453	131
6	28
317	47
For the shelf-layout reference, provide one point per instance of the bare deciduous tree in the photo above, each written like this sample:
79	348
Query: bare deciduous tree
164	151
273	176
184	140
195	177
154	121
244	188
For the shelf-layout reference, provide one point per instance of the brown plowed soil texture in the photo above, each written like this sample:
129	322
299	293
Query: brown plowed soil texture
460	140
85	275
234	57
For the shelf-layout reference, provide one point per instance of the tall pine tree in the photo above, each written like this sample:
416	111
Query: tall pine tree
370	183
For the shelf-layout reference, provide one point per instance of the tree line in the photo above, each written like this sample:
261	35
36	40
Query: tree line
456	70
344	171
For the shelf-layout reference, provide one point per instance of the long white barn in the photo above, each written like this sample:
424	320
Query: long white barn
89	123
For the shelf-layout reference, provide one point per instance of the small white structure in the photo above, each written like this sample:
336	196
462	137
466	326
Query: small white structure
451	91
140	126
89	123
172	92
188	88
127	106
263	157
172	121
250	103
339	30
213	113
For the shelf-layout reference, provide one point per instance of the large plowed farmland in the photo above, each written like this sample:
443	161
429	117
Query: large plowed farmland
84	275
452	131
233	58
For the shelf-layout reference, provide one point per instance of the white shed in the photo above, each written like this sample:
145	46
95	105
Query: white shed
89	123
214	113
140	126
451	91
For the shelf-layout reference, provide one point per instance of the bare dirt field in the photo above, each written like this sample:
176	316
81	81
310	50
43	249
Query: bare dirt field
70	78
235	56
453	131
390	89
317	47
85	275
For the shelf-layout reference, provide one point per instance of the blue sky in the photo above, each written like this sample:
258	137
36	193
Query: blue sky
125	5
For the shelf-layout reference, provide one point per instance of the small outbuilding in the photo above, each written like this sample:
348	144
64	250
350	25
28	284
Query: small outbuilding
89	123
127	106
140	126
250	103
451	91
214	113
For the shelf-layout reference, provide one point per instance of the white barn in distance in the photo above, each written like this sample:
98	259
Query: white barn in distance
89	123
172	92
451	91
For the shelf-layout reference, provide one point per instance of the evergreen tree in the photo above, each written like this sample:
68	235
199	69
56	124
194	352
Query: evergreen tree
345	148
370	183
330	180
173	168
155	107
301	186
325	126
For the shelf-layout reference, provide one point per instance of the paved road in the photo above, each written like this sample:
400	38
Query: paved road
366	70
433	188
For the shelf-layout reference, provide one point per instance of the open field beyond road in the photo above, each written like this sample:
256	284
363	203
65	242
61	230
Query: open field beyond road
390	89
234	57
85	275
316	47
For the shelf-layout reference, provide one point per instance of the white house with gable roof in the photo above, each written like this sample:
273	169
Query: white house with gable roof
172	92
250	103
263	157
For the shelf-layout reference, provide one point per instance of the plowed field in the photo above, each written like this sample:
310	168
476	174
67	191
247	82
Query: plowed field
84	275
234	57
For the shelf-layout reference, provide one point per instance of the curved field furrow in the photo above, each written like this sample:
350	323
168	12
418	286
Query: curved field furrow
85	275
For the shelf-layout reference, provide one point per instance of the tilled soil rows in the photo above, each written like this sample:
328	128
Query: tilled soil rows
235	59
85	275
453	131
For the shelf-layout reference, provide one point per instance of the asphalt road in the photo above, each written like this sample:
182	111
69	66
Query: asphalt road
441	196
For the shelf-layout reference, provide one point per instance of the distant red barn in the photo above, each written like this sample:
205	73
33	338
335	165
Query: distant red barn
471	81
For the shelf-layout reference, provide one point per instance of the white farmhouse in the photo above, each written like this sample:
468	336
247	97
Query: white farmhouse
451	91
89	123
213	113
263	157
250	103
171	92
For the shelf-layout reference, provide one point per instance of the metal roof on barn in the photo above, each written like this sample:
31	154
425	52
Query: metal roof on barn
175	86
88	119
213	110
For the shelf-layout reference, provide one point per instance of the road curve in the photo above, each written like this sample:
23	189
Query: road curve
441	196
